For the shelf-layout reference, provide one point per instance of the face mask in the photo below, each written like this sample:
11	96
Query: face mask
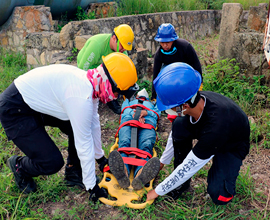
169	52
171	112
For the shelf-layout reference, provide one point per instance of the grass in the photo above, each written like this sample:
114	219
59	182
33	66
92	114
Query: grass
131	7
72	203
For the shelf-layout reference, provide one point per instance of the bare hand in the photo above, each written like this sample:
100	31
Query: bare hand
151	195
141	118
161	166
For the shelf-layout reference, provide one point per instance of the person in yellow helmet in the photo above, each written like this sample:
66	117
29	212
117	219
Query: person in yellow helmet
66	97
90	56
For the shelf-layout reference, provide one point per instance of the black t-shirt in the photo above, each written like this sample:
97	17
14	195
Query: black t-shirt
184	53
223	127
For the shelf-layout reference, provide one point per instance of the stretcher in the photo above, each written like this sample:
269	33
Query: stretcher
126	197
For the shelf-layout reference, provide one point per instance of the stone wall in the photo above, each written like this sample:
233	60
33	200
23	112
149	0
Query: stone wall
49	47
30	30
244	41
23	21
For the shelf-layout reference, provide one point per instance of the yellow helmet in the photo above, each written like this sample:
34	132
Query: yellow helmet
125	35
122	73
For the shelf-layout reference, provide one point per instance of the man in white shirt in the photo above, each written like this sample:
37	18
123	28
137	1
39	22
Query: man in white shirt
67	97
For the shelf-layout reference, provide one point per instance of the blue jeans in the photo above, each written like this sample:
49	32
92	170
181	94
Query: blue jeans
146	142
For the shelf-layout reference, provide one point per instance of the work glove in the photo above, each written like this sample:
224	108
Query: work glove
96	193
102	162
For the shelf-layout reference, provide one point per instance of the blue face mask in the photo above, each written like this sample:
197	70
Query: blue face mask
169	52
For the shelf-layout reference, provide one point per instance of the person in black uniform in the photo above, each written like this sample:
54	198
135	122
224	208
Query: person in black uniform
219	124
172	49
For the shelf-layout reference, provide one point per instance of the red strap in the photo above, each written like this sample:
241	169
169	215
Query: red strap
224	199
106	169
142	106
134	161
136	151
135	123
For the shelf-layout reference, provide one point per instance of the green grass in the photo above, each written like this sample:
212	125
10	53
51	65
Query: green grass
72	203
131	7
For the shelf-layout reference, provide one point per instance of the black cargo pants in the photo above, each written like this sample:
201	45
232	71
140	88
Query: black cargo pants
225	168
26	128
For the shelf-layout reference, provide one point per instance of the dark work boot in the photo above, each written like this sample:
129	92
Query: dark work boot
73	176
24	183
177	192
114	105
146	174
117	167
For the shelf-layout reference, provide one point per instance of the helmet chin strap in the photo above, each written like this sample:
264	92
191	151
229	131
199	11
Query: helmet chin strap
117	46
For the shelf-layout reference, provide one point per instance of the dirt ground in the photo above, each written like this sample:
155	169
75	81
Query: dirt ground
257	162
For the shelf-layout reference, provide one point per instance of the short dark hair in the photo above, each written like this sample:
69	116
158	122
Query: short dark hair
113	34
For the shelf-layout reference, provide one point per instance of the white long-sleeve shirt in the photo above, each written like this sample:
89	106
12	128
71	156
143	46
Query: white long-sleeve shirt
191	165
168	153
63	91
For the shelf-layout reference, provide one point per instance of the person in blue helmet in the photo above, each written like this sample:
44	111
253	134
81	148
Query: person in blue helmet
146	140
172	49
219	124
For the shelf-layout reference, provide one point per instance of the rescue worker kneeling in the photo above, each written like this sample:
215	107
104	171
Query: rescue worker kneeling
146	166
219	124
66	97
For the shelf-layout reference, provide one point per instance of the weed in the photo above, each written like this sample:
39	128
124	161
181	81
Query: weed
82	15
147	85
131	7
225	78
74	54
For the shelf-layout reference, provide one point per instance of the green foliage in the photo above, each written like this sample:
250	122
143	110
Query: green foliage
82	15
248	92
11	66
144	83
128	7
224	77
74	54
131	7
62	22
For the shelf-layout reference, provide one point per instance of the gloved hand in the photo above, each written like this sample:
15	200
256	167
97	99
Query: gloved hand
102	162
96	193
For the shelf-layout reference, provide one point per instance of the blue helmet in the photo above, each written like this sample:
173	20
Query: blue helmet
166	33
176	84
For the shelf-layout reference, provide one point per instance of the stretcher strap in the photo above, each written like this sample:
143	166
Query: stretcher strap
138	152
106	169
134	130
135	123
134	161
